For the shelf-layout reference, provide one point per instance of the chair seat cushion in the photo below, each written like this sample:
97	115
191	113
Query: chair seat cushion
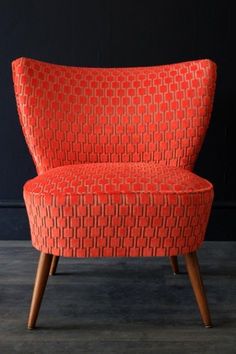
117	209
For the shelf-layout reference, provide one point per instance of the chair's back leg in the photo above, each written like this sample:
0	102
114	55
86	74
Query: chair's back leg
53	268
174	264
198	287
41	278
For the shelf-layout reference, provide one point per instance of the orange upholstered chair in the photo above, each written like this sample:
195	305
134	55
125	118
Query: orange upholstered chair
114	149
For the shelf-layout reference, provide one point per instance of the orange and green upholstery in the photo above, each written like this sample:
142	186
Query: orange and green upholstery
114	150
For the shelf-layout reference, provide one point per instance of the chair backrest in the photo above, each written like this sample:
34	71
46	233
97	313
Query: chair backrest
75	115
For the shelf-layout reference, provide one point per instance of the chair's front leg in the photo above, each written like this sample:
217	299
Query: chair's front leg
41	278
174	264
53	268
198	287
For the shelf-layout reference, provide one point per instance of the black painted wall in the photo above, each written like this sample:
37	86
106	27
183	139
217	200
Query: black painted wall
119	33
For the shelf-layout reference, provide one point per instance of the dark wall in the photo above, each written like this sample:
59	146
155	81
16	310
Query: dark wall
119	33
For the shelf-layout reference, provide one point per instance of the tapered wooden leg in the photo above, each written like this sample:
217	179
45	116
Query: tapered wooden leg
39	287
53	268
174	264
198	287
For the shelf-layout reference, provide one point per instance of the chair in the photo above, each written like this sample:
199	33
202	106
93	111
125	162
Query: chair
114	150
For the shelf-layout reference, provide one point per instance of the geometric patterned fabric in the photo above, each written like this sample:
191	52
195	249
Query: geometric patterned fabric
81	115
118	209
114	149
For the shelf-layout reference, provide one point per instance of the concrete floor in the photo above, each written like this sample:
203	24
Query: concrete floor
117	305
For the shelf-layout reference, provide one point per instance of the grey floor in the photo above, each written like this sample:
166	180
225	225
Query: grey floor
117	305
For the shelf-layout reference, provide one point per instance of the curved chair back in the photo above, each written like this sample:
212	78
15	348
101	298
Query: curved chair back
72	115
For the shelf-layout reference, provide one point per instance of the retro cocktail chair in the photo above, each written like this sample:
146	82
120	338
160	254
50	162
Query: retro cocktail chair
114	149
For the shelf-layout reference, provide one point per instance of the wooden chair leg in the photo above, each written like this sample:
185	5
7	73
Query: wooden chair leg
174	264
53	268
39	287
198	287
